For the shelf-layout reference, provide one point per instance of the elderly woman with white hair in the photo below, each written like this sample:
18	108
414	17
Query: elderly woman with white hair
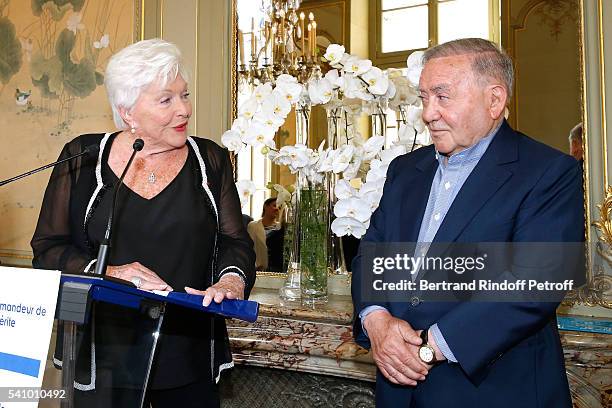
178	223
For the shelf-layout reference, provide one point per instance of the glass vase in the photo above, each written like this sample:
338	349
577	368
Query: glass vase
291	289
336	121
314	232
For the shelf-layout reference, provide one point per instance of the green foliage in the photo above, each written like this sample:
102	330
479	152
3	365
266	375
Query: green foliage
57	7
64	46
10	50
80	79
43	85
313	220
59	72
47	75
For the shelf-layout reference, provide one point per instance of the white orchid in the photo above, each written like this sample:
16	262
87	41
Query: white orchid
343	189
372	186
414	118
391	153
376	174
74	22
372	198
377	81
240	126
353	168
249	108
294	157
313	176
282	195
269	119
353	207
326	160
232	140
276	104
415	66
291	91
357	66
262	91
245	188
334	78
320	91
391	90
342	158
259	135
355	88
405	94
348	226
103	43
372	147
334	54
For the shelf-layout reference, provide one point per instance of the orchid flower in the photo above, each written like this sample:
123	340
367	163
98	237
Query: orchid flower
245	188
353	207
348	226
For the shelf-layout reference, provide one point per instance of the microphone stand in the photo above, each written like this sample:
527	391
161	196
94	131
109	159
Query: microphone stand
90	150
104	249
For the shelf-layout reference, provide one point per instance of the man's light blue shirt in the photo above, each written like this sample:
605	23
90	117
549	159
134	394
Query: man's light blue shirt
451	174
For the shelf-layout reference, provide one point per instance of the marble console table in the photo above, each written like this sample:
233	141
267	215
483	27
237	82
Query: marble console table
319	340
290	336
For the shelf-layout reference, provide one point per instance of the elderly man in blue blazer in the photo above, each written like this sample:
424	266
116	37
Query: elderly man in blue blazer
480	181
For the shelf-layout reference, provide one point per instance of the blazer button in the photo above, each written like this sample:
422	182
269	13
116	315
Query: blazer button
415	301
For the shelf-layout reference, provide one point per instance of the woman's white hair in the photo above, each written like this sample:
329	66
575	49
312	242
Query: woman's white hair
137	66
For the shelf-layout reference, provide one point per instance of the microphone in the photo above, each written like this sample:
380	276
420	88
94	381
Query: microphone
91	150
104	249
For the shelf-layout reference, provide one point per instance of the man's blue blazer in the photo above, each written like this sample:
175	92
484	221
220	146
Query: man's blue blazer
509	354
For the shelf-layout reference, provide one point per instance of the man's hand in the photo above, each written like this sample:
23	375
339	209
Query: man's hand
395	347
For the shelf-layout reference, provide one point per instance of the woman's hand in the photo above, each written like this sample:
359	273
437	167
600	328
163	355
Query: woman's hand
229	286
139	275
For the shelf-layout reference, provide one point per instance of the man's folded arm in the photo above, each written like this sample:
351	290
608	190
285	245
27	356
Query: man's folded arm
479	333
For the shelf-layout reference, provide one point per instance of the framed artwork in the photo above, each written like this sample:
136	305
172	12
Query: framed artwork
53	54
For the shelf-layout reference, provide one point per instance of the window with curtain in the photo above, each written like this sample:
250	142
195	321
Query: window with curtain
403	26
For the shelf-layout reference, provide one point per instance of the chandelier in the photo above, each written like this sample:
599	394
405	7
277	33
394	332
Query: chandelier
284	44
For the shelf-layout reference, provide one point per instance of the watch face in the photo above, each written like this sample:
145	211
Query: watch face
426	354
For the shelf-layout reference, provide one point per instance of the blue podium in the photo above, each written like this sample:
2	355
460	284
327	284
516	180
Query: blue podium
127	355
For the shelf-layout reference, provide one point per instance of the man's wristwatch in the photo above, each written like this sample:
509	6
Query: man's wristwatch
426	353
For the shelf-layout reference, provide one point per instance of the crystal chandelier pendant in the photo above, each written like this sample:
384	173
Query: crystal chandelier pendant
283	43
152	178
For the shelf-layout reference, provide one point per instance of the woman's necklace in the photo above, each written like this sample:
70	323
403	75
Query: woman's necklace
151	179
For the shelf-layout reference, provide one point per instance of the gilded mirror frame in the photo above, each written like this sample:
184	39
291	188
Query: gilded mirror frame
597	293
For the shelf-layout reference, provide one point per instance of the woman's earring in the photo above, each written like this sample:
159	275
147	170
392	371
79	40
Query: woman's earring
133	130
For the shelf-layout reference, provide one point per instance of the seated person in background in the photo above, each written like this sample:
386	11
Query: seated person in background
258	230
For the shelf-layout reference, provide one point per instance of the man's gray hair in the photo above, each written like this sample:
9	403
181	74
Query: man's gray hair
488	59
137	66
576	133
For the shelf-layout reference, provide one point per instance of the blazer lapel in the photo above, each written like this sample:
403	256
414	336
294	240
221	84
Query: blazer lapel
415	197
486	179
